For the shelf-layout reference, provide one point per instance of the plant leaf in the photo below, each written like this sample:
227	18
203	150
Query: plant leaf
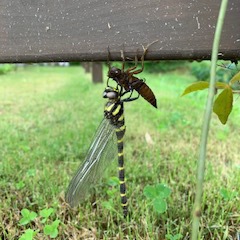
27	216
150	192
195	87
108	205
52	229
113	181
56	223
221	85
223	105
46	212
175	237
235	78
227	195
163	191
160	205
28	235
20	185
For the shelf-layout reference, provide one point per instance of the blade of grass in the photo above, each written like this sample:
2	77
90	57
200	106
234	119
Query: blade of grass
206	122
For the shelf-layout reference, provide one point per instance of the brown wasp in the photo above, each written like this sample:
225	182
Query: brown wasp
126	79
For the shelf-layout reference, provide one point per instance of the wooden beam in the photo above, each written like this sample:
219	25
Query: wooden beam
71	30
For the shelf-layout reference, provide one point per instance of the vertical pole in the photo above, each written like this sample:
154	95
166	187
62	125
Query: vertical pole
97	72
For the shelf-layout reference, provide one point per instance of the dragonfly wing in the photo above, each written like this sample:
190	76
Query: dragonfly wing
101	152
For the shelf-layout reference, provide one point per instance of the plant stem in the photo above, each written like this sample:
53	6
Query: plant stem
206	123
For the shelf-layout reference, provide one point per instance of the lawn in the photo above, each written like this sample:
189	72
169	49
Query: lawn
48	117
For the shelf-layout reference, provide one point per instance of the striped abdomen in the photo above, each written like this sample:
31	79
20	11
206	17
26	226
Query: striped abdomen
115	113
144	90
120	134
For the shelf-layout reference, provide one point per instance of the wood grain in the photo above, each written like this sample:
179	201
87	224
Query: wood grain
78	30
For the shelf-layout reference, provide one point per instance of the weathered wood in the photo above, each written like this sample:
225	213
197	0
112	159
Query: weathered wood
75	30
97	72
86	66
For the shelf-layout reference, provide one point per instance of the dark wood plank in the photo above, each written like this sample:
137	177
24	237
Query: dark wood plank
97	72
75	30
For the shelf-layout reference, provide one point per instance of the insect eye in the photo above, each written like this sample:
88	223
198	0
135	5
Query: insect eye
114	72
117	72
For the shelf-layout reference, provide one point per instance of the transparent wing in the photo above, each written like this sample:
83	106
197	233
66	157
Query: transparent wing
101	152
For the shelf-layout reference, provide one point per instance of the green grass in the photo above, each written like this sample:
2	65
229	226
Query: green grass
48	116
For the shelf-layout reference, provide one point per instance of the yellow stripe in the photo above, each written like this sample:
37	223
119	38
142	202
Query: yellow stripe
124	204
123	194
121	128
116	111
120	154
121	118
120	140
121	182
121	168
109	108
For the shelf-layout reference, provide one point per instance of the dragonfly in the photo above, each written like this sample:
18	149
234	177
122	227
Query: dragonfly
110	129
100	151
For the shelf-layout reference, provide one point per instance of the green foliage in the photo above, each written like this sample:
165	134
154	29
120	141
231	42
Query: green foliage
5	68
45	214
174	237
227	194
195	87
31	172
201	70
158	195
27	216
20	185
164	66
47	124
28	235
49	229
112	192
52	229
113	181
223	102
223	105
235	78
109	205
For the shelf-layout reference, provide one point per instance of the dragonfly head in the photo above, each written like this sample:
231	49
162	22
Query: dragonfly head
114	73
111	93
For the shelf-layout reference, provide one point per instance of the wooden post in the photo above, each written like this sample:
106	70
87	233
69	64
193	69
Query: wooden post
97	72
86	66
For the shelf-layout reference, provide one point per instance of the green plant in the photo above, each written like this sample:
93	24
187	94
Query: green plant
228	195
45	214
174	237
164	66
223	103
27	216
201	70
28	234
207	119
112	182
158	195
20	185
52	229
31	172
5	68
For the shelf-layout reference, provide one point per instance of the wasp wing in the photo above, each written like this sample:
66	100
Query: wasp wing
101	152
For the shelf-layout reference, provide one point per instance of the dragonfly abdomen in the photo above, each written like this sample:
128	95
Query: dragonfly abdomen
121	173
